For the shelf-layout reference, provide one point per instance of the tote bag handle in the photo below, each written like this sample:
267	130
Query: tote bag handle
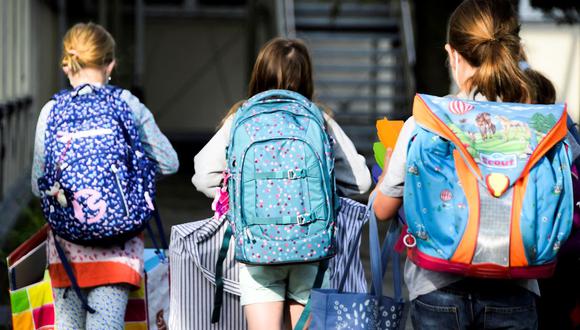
379	257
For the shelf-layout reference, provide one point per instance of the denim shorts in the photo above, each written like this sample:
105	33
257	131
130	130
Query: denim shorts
261	284
476	304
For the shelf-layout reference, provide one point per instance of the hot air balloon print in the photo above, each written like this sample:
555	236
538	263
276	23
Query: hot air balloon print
446	195
457	107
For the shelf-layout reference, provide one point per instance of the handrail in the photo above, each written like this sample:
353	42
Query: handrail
285	18
408	45
17	122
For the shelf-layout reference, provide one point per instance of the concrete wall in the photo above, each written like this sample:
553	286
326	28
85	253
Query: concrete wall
45	54
554	50
195	70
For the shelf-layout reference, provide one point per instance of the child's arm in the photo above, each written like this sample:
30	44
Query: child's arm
385	207
210	162
389	189
38	157
154	142
350	169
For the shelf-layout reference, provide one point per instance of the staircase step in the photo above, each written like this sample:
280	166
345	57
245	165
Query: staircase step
347	23
347	36
324	52
304	8
353	67
359	82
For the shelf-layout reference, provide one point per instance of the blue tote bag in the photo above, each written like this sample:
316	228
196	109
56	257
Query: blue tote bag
336	309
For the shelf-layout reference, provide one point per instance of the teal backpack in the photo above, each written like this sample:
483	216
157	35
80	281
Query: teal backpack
281	186
282	194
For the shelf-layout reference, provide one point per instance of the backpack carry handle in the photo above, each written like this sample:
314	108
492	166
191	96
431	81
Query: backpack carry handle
282	93
379	256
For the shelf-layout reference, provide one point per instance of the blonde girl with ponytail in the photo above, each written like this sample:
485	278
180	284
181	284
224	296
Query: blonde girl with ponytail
104	274
487	62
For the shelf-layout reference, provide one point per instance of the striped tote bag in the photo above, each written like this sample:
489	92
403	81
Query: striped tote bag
193	253
351	217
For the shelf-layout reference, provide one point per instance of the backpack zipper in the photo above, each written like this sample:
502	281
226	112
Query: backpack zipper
120	189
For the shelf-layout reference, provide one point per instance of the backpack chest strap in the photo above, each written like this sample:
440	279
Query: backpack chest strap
300	219
291	174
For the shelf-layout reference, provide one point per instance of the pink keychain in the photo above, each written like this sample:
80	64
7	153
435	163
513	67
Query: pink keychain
221	202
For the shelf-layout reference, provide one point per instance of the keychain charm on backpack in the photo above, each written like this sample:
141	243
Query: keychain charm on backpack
57	192
221	202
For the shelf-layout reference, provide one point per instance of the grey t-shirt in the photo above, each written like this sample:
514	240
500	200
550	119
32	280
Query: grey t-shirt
421	281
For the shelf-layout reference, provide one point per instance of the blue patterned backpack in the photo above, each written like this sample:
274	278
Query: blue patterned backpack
488	190
282	198
98	186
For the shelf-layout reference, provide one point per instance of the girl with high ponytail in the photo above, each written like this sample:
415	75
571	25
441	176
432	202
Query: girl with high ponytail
487	62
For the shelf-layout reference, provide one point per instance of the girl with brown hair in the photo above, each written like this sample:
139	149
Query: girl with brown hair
268	291
487	63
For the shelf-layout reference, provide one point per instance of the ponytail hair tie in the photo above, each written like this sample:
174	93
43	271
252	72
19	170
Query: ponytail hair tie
523	65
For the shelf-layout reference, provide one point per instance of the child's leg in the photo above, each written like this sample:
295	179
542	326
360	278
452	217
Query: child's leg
109	302
295	309
263	291
300	282
264	316
69	311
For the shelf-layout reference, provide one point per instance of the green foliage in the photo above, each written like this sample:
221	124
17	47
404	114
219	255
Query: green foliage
542	123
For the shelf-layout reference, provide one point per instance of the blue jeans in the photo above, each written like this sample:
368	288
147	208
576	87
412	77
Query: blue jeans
476	304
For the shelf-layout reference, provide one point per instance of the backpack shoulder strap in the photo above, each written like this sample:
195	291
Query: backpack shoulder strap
70	273
573	130
219	278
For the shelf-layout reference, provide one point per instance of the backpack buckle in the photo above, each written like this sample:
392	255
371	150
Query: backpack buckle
291	174
303	219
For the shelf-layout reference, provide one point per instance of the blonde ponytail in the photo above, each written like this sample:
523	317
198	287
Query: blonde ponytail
87	45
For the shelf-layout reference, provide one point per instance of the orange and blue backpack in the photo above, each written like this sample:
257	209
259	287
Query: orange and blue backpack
488	189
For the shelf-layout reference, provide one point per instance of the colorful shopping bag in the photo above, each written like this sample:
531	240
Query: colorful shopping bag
30	289
148	307
32	306
31	294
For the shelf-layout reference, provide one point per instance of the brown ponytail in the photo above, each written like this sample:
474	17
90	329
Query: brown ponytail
486	34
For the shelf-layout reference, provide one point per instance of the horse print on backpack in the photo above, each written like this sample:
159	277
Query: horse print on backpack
282	191
98	186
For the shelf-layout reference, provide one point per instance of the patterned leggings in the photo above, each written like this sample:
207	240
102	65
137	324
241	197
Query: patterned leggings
108	301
